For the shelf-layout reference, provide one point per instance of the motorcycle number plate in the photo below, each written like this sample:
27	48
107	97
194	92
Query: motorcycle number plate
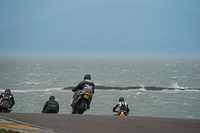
86	96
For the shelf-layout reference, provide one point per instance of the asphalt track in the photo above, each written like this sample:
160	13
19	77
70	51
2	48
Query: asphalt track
105	123
23	128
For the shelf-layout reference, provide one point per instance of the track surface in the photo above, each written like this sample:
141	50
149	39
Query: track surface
106	124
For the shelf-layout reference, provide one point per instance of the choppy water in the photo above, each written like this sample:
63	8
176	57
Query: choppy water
33	80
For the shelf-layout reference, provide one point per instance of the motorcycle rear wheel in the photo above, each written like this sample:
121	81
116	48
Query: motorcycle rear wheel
5	111
82	107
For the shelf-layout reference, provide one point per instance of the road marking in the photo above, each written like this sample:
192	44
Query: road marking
5	121
9	125
18	127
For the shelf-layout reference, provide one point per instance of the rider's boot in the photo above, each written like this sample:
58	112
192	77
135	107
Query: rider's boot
73	111
88	104
73	100
73	103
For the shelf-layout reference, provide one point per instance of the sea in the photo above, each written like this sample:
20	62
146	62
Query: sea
33	79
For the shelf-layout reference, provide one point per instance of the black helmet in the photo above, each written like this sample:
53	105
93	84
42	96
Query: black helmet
121	99
51	97
7	91
87	76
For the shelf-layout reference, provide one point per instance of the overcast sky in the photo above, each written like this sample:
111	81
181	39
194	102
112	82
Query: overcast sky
17	12
23	11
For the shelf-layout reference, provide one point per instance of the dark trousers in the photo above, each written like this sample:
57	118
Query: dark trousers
50	110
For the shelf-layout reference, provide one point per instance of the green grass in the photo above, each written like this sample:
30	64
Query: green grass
8	131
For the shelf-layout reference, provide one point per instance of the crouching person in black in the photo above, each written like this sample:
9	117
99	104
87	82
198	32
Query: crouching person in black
7	101
51	106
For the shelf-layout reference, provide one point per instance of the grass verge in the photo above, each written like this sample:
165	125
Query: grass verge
8	131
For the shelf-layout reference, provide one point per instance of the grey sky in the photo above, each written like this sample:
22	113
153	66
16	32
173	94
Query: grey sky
24	11
35	26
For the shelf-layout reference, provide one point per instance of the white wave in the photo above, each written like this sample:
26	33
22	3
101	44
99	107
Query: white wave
142	88
28	83
32	74
185	104
154	96
192	90
36	90
168	102
97	83
111	81
140	93
189	116
168	65
53	89
176	86
2	90
192	98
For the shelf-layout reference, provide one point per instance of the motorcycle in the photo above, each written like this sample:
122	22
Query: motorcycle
5	107
83	97
121	113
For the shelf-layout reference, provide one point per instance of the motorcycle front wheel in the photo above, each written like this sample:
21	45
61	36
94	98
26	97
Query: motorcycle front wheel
82	107
4	111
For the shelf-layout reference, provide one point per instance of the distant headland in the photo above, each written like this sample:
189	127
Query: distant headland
150	88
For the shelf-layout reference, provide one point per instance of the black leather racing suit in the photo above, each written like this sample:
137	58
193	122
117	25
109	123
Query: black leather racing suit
7	97
83	84
51	106
122	106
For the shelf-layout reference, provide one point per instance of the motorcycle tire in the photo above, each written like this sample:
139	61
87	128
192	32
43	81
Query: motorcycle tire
4	110
82	107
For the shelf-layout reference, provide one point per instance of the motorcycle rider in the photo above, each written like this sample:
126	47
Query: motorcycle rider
7	96
122	106
51	106
86	83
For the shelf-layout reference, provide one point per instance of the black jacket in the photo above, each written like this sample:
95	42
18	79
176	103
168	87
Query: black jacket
85	84
7	97
51	104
